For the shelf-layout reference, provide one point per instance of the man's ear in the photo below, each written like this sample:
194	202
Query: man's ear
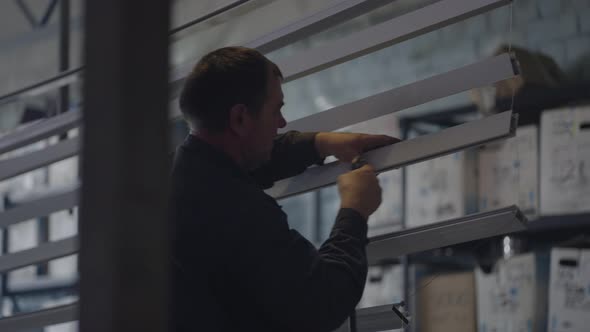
239	120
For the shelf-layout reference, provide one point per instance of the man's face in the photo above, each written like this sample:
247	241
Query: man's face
266	124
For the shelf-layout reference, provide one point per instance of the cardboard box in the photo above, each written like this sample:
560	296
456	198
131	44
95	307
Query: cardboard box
384	286
447	303
569	290
565	161
514	296
442	188
508	173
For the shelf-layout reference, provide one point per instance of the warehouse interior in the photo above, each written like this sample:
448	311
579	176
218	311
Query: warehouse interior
484	223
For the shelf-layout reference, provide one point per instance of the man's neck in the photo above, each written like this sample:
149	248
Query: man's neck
222	142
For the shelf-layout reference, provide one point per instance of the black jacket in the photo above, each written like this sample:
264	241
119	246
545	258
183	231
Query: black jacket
238	266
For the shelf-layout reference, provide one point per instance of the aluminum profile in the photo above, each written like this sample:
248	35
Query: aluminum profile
374	319
39	319
28	162
470	134
40	130
61	79
42	253
413	24
337	12
445	233
479	74
41	206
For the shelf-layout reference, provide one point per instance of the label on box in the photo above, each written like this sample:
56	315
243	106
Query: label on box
508	298
565	161
569	290
440	189
508	173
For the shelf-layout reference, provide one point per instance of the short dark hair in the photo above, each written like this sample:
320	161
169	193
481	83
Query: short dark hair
222	79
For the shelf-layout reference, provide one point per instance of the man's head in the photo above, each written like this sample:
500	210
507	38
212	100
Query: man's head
235	92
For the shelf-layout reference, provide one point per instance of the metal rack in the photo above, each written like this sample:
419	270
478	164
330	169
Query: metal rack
116	86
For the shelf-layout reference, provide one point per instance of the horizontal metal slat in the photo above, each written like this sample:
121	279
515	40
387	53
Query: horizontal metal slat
39	319
42	253
405	153
338	12
374	319
28	162
43	206
40	130
441	234
421	21
479	74
61	79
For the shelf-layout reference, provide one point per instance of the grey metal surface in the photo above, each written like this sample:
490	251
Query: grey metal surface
479	74
28	162
445	233
374	319
39	319
40	130
42	253
429	18
405	153
40	206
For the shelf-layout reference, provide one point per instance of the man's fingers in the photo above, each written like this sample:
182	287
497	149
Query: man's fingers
370	142
367	168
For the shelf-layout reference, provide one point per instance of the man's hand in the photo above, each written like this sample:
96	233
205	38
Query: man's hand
346	146
360	190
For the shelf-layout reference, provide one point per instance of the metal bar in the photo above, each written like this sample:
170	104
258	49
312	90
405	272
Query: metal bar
40	207
337	12
207	16
39	319
27	13
48	13
44	252
40	130
19	165
49	84
64	51
405	153
374	319
479	74
18	287
429	18
464	229
124	168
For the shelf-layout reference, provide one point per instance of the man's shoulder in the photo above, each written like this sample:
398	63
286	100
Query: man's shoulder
199	177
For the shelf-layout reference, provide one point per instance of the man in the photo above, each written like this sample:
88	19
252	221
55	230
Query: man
238	266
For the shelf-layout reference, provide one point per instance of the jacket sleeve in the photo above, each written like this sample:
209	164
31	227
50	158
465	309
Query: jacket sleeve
292	153
300	287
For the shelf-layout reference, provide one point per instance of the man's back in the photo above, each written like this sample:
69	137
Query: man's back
238	267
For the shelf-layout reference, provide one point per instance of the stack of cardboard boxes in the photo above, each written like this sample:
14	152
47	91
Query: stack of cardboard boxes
543	291
545	170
